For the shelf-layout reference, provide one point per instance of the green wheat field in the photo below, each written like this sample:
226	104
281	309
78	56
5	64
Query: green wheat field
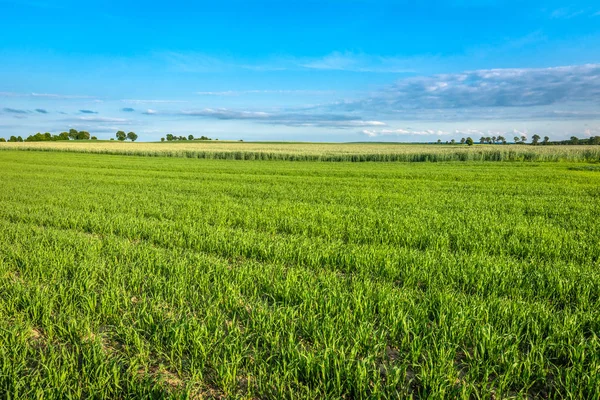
182	275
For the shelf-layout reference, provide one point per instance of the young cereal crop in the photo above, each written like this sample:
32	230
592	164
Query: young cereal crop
140	277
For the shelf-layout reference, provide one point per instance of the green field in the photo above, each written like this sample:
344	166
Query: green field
159	277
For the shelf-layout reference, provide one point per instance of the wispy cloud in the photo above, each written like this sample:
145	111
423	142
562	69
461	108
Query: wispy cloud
15	111
285	118
133	101
567	13
88	112
41	111
349	61
282	92
150	112
102	119
127	109
339	61
44	95
404	132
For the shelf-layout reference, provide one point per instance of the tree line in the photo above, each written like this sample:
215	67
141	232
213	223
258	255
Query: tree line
72	134
535	140
170	138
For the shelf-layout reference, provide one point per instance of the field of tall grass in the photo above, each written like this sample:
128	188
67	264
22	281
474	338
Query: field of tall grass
353	152
138	277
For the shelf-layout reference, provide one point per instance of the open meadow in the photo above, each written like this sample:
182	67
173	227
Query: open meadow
178	277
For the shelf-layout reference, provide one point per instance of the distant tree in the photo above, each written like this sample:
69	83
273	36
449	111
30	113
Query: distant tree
451	142
488	140
169	136
19	139
83	135
469	141
182	138
595	140
162	139
482	140
120	135
493	139
502	139
523	139
94	138
535	139
463	140
12	139
2	140
574	140
191	137
63	136
73	134
132	136
546	139
439	141
112	138
516	139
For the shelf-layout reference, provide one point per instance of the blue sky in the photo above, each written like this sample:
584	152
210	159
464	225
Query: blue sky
348	70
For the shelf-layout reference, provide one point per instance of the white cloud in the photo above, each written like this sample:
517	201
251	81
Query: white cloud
488	94
102	119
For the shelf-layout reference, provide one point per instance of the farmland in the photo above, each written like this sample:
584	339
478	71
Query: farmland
339	152
179	277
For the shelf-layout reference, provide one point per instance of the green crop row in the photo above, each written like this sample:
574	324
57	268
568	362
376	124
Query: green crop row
132	277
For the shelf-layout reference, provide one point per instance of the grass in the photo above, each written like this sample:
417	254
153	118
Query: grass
338	152
137	277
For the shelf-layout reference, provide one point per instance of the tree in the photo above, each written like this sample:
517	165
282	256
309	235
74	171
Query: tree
516	139
83	135
94	138
463	140
488	140
469	141
19	139
595	140
451	142
120	135
546	139
162	139
63	136
574	140
493	139
12	139
535	139
439	141
73	134
169	137
2	140
482	140
132	136
523	138
502	139
191	137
